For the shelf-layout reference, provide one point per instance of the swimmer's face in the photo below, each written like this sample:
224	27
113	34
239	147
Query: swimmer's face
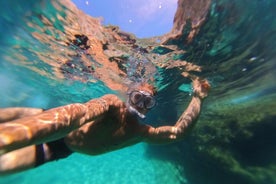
141	100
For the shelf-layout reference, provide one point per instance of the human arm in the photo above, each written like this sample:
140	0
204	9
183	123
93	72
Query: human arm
51	124
168	134
13	113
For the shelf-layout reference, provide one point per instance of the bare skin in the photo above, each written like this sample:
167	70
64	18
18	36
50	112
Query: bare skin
98	126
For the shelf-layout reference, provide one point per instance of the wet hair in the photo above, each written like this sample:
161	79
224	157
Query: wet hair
143	86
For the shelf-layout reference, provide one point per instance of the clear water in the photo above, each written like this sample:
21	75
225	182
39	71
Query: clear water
238	60
123	166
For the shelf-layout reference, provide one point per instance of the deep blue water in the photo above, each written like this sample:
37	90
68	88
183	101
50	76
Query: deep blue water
238	59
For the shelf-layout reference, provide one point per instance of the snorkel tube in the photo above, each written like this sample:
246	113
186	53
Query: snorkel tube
132	110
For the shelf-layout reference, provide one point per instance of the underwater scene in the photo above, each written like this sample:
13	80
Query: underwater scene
53	54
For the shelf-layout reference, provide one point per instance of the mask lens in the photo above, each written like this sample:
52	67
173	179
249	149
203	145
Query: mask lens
149	102
136	97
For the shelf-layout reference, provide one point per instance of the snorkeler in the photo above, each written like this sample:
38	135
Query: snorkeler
30	137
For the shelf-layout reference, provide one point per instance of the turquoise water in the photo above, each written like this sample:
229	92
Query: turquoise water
131	165
233	140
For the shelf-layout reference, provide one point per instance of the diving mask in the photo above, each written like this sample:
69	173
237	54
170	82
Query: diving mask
142	99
